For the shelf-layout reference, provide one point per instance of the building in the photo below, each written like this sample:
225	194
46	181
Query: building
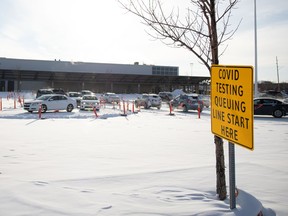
27	75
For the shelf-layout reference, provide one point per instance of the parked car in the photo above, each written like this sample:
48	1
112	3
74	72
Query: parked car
187	102
90	102
111	98
58	91
87	92
206	100
51	102
166	96
149	100
76	96
41	92
270	106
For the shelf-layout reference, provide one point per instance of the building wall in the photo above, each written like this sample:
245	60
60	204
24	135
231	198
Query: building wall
29	85
15	71
84	67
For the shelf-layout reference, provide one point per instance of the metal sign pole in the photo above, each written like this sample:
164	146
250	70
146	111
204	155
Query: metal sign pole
232	175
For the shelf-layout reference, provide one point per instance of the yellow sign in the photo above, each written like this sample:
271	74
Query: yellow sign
232	104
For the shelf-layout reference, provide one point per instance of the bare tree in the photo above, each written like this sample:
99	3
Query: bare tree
202	28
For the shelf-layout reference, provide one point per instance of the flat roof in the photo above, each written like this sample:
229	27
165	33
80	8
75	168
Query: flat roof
42	70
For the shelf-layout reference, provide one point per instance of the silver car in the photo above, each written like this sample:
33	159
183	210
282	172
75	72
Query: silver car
90	102
149	100
187	102
111	98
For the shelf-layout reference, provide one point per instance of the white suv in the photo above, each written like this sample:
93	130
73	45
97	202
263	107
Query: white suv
149	100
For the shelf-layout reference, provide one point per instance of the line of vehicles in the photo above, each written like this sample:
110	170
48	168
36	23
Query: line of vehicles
57	99
48	99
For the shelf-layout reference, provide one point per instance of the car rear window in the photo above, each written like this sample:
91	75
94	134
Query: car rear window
193	99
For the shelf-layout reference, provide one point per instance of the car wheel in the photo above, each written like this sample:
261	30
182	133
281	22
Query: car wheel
70	107
159	107
277	113
184	108
43	108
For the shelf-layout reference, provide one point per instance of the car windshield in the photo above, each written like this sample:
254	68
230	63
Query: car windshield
44	97
74	94
90	98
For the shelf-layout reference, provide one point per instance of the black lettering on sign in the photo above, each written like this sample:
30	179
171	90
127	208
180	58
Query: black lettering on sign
229	132
236	120
230	104
225	88
229	74
218	114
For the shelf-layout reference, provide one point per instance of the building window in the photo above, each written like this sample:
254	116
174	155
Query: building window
165	71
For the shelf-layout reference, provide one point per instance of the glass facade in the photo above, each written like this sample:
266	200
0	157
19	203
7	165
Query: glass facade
165	71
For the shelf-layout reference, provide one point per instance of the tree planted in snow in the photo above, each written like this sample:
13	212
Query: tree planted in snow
202	27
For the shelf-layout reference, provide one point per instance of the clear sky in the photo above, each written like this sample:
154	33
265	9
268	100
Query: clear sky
103	32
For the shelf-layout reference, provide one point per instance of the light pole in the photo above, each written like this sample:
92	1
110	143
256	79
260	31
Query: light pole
256	62
277	68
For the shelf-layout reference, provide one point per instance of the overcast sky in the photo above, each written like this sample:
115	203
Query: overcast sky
102	32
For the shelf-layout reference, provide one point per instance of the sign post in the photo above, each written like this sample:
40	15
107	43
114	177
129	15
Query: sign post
232	111
232	178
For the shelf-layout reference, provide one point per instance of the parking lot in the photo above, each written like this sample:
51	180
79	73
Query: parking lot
12	107
142	163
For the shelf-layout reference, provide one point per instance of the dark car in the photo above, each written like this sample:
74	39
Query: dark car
41	92
270	106
187	102
166	96
58	91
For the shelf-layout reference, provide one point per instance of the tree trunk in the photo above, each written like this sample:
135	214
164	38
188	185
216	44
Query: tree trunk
220	162
220	168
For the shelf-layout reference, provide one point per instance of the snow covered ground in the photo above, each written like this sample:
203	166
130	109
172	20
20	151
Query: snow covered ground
149	163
